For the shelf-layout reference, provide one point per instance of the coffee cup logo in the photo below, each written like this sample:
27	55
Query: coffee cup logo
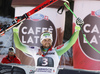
91	30
31	29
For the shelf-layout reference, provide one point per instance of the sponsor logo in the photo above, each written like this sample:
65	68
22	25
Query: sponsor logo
50	53
95	13
44	70
91	29
38	17
46	34
31	72
30	30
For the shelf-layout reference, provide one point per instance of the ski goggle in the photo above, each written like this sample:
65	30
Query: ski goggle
11	50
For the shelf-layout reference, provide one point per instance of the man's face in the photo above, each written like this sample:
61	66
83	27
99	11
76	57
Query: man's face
11	53
46	43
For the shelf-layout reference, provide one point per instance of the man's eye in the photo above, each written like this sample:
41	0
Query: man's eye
49	40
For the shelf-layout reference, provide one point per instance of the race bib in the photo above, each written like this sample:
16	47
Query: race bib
45	62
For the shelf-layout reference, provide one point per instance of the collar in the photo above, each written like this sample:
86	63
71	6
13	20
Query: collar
44	54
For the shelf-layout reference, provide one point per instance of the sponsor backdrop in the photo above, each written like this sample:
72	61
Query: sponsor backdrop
31	29
84	56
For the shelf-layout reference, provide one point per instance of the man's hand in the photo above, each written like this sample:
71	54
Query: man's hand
79	21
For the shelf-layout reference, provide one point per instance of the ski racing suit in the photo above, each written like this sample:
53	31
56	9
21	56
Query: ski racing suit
49	63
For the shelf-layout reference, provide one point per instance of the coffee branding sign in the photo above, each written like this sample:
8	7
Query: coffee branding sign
31	29
91	30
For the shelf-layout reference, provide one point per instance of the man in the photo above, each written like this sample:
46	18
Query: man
11	57
46	57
